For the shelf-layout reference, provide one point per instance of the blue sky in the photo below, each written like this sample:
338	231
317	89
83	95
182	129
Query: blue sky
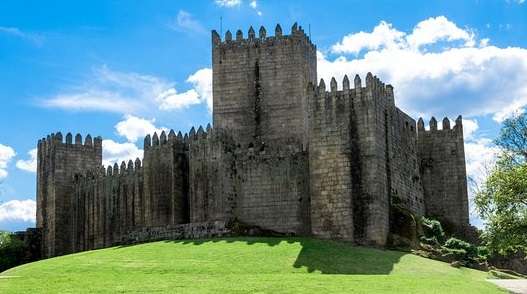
121	69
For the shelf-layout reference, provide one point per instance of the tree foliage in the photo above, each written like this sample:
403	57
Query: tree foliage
502	199
11	250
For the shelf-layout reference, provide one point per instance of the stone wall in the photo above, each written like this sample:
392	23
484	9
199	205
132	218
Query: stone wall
165	175
212	176
371	109
331	161
177	232
57	163
260	82
442	164
406	185
273	188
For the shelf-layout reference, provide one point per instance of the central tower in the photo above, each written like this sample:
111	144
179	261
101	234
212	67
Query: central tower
260	84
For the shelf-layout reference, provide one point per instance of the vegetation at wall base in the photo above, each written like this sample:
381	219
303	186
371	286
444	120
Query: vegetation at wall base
243	265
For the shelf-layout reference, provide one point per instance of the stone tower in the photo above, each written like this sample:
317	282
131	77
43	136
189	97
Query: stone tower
260	82
57	164
443	172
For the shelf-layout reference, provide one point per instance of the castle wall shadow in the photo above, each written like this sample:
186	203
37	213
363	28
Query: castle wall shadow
324	256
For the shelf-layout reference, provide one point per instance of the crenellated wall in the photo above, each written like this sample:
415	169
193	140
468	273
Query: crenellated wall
107	203
442	164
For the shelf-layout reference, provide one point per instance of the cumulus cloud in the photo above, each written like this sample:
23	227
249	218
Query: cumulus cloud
29	165
228	3
382	36
185	22
6	154
134	128
18	210
114	152
201	81
437	68
436	29
129	93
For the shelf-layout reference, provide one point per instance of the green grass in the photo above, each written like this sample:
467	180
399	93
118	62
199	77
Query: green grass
241	265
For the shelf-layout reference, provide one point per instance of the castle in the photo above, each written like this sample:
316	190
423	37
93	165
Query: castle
285	154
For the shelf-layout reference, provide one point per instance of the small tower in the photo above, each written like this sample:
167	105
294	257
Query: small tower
57	164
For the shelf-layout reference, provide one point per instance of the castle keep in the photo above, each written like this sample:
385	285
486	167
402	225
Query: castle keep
285	153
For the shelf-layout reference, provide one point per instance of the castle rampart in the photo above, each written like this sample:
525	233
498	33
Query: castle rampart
284	154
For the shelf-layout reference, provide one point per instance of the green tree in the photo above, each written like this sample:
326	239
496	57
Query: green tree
11	251
502	199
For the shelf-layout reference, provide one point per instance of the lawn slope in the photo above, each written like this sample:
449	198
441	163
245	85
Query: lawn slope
239	265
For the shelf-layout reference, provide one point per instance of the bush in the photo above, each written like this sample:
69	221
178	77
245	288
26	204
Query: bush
457	244
433	229
11	251
483	252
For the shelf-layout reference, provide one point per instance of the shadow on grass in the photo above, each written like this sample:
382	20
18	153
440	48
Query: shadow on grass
326	257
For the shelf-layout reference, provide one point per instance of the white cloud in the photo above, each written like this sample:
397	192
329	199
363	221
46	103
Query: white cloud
480	154
470	126
134	128
30	164
201	80
6	154
228	3
185	22
456	78
128	93
383	35
439	28
173	100
18	210
114	152
16	32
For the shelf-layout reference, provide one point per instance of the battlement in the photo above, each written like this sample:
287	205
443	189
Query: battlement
154	141
335	101
446	128
373	83
297	33
55	139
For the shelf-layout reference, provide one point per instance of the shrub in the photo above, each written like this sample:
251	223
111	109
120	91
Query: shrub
457	244
433	229
11	251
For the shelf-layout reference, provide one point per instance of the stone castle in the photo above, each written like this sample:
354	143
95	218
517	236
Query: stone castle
285	154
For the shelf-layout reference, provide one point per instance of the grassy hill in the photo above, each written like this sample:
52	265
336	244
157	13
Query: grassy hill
240	265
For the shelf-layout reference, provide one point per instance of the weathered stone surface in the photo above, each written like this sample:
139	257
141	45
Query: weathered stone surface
285	155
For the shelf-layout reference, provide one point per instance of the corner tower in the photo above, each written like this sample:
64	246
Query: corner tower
57	164
260	84
443	173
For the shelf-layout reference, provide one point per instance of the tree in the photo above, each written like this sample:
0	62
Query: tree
502	199
11	251
513	138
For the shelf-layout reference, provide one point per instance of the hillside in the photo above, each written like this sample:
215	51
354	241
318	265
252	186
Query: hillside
271	265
